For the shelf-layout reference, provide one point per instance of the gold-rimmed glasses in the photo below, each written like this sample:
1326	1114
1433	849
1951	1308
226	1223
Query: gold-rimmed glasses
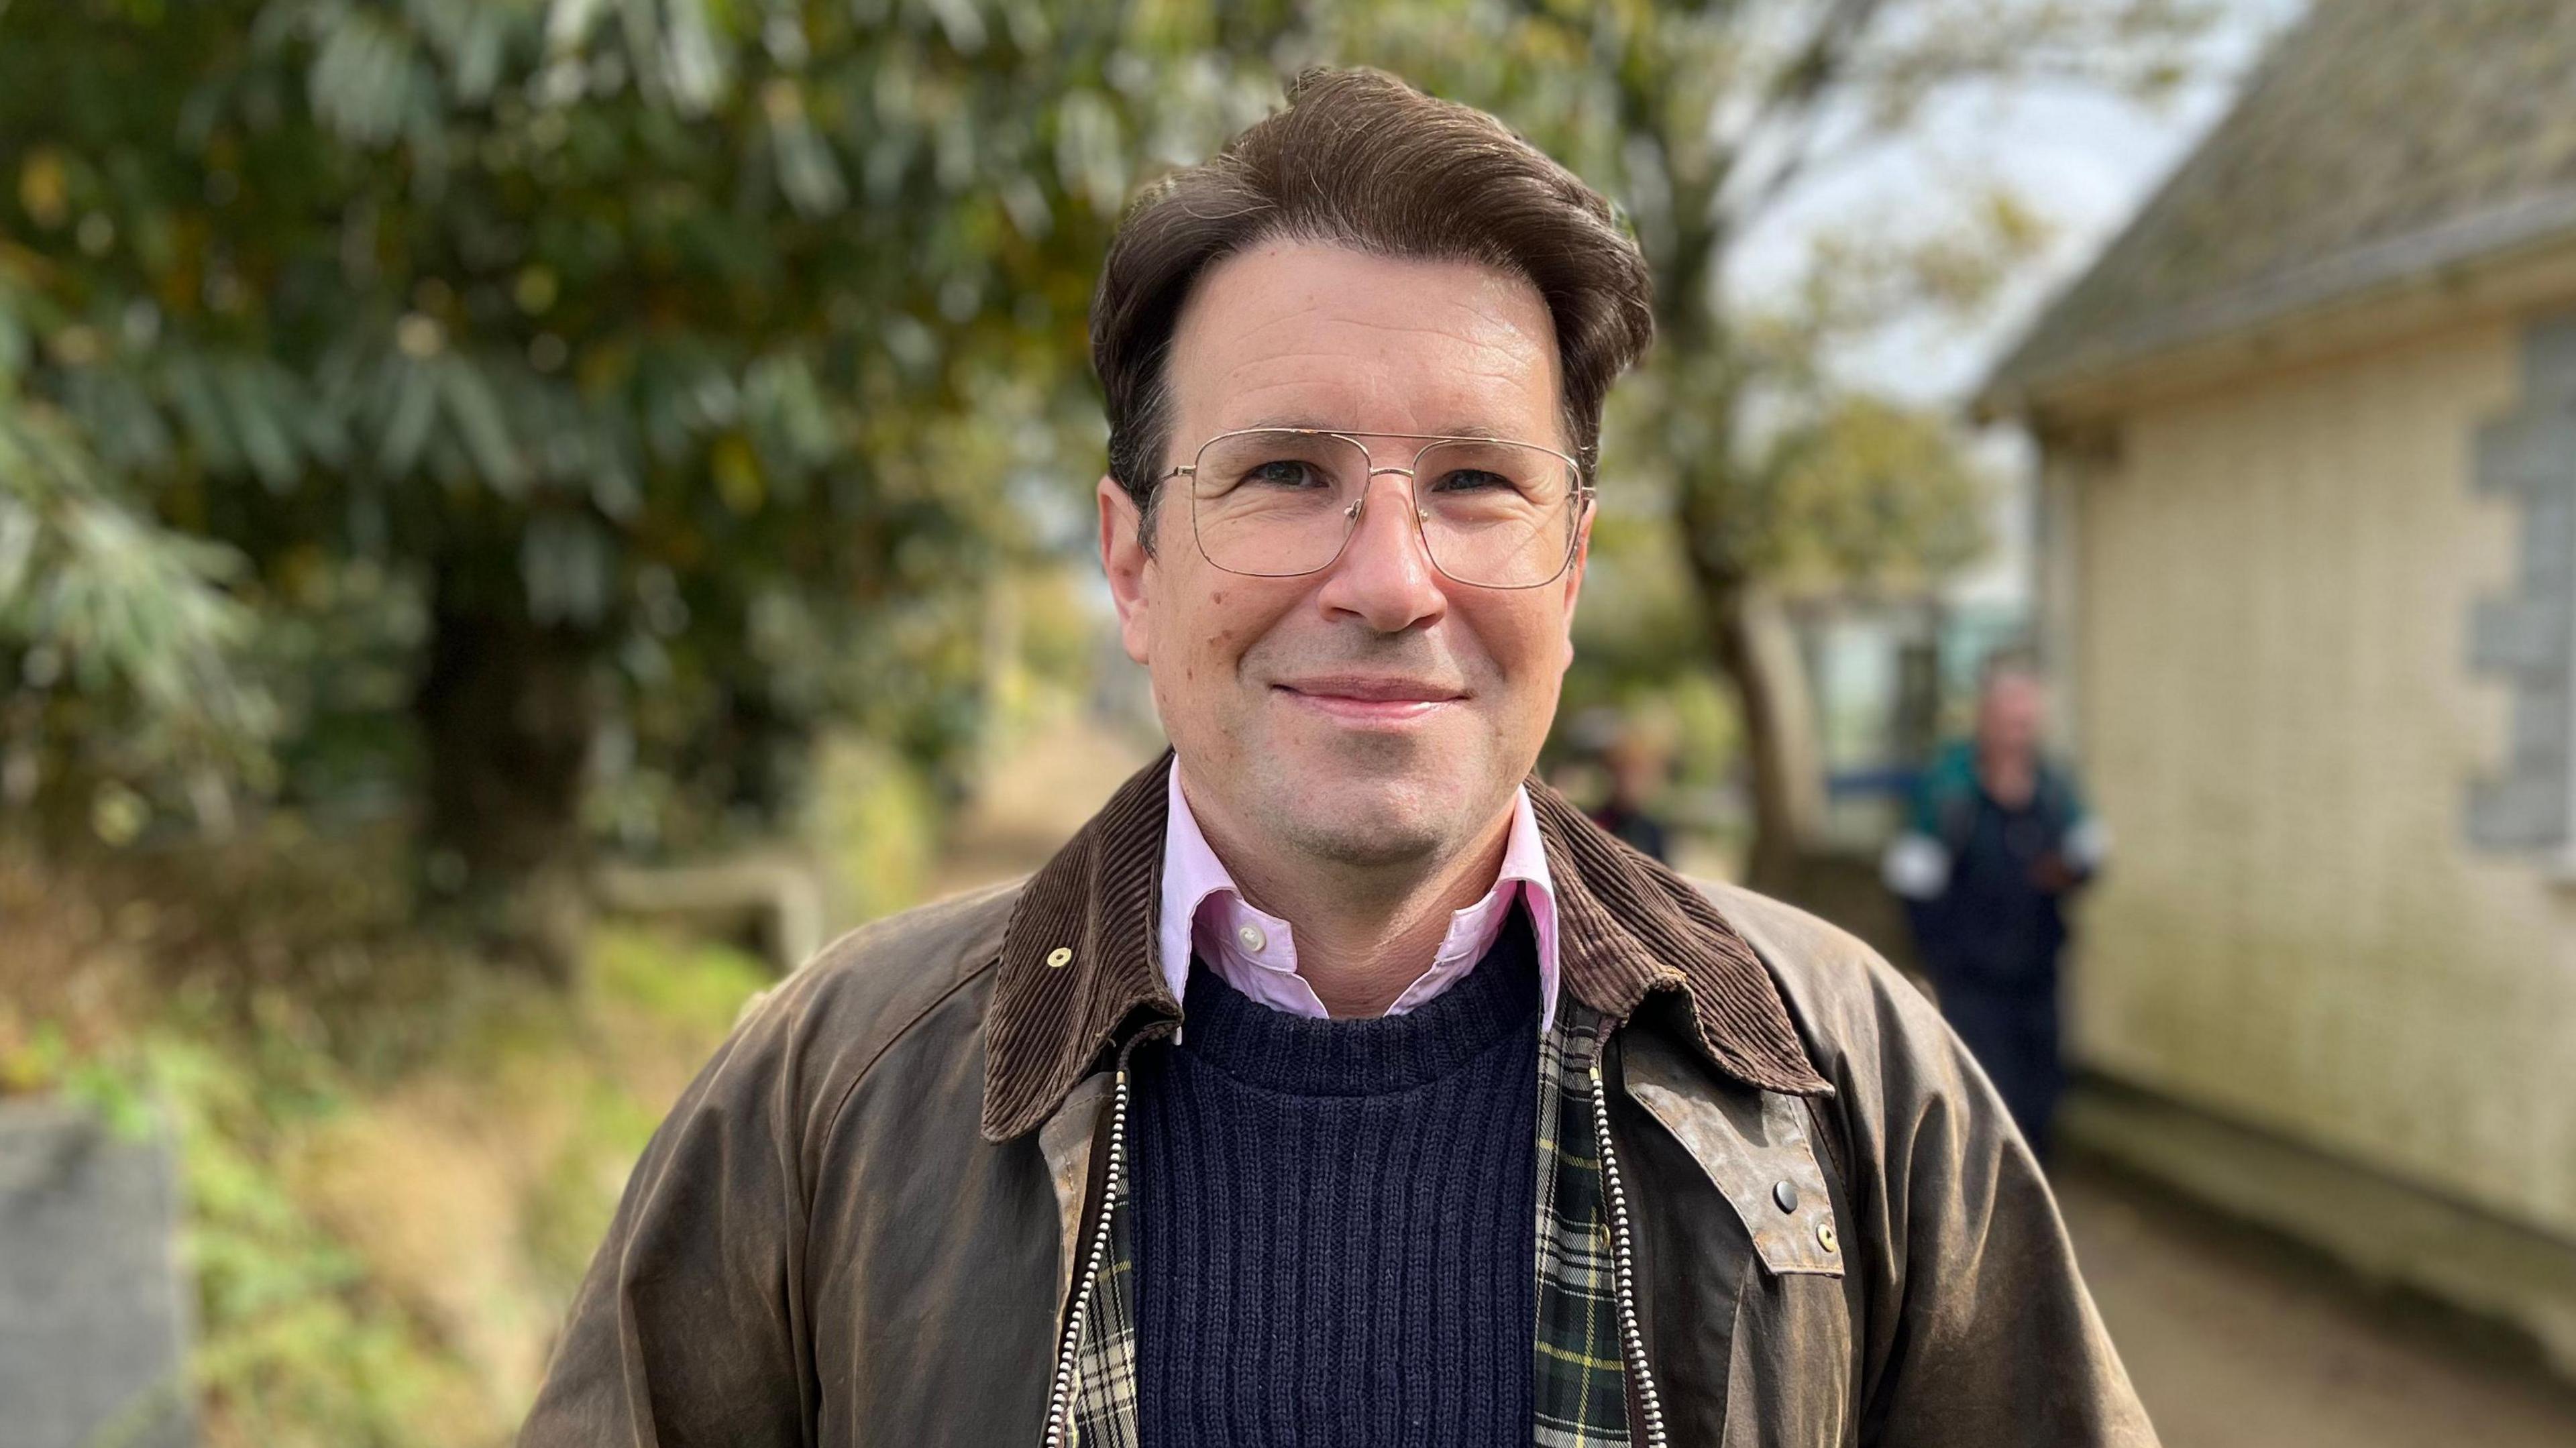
1276	502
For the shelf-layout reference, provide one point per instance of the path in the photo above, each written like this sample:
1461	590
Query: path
2237	1342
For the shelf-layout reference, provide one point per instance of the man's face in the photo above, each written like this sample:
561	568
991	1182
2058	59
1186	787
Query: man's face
1376	711
2011	714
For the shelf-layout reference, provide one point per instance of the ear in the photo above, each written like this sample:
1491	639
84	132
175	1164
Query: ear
1124	559
1572	583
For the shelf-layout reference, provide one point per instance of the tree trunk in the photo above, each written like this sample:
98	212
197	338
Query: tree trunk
1758	653
506	711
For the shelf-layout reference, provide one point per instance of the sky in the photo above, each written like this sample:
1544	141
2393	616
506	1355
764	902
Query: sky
2085	160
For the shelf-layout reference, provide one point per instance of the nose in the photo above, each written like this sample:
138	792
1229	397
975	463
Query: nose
1385	577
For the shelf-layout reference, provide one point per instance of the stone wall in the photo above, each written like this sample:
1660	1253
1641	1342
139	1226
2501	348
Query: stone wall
92	1323
2271	600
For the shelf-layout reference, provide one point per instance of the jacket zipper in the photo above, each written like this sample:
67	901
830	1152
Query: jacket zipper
1060	1398
1632	1340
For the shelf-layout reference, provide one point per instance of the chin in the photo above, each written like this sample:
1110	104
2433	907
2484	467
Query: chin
1349	840
1360	820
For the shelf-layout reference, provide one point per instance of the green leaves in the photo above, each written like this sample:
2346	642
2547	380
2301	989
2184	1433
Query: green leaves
101	609
1873	494
368	82
649	318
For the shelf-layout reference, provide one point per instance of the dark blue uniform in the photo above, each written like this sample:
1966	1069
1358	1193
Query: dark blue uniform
1985	886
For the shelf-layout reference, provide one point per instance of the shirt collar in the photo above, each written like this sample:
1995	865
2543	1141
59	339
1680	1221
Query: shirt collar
1078	974
1204	916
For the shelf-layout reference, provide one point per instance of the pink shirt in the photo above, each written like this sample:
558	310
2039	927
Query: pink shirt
1256	953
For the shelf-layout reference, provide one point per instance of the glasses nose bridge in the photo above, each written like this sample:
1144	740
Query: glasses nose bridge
1359	505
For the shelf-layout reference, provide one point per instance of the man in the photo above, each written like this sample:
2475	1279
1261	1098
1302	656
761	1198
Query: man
1336	1084
1635	762
1998	840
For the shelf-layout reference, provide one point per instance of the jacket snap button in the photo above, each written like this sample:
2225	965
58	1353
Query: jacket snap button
1825	1237
1786	1194
1061	956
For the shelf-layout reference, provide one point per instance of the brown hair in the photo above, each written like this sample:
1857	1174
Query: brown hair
1363	160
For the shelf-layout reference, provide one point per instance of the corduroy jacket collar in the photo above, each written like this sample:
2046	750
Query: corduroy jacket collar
1077	956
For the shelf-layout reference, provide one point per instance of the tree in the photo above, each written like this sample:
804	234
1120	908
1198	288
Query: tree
118	636
1705	121
687	360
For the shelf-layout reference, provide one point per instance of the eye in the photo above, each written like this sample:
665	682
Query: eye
1285	473
1472	480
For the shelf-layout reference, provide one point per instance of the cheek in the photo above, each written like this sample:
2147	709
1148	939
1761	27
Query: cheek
1215	643
1528	646
1221	627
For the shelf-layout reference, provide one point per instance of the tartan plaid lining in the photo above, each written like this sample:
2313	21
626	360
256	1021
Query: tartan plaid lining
1579	1390
1104	1404
1579	1376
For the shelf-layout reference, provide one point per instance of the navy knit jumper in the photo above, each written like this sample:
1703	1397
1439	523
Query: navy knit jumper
1335	1220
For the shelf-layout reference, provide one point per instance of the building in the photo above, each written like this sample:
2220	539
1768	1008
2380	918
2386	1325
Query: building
2307	577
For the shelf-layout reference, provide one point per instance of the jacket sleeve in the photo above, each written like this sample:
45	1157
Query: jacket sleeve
689	1329
1973	1327
1980	1332
2083	841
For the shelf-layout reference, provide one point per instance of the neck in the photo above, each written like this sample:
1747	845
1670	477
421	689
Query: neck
1364	931
2008	774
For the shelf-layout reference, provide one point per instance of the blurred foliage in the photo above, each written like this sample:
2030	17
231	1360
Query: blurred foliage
120	635
708	351
396	1159
875	822
383	1223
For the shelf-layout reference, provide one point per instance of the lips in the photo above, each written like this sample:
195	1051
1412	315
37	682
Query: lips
1374	689
1371	699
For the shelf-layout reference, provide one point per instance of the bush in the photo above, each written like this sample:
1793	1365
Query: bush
385	1222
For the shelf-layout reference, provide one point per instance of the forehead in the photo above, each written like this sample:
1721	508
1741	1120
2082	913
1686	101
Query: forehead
2012	688
1297	333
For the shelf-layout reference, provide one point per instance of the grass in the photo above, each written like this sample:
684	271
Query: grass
388	1203
397	1158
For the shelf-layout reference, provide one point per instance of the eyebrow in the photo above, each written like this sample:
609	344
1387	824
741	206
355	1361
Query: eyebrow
1300	424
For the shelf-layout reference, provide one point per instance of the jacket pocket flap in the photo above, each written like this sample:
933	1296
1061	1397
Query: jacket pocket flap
1753	1145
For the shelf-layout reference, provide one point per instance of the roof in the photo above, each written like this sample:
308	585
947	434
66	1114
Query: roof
2381	140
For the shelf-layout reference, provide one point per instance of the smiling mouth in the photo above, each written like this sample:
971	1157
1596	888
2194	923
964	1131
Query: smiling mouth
1363	701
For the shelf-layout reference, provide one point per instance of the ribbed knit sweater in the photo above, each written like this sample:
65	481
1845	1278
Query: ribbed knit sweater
1335	1219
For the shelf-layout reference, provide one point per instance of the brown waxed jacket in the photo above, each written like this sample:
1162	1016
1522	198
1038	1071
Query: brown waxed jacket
859	1224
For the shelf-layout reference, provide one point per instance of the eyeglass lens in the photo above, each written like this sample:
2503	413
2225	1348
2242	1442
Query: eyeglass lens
1276	504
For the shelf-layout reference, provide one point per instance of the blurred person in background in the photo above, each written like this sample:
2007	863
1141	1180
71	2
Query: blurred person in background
1637	764
1333	1081
1997	841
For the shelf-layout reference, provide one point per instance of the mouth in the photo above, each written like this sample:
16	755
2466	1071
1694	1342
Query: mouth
1371	700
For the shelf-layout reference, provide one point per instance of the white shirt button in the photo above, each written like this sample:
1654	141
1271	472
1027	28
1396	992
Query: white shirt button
1250	937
